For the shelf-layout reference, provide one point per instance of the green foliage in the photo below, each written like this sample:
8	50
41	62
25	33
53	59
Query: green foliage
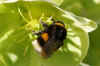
89	9
18	19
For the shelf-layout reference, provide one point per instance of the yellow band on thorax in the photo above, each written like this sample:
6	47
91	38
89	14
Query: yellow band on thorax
59	24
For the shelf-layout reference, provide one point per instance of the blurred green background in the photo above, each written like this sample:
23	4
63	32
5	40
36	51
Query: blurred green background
85	8
91	10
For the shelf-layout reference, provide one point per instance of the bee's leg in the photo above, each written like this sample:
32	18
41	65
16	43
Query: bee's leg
36	33
44	24
53	21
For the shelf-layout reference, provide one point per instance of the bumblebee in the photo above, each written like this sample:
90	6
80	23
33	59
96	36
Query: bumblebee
50	39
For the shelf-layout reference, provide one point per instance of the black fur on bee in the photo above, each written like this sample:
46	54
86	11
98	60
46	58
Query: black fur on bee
50	39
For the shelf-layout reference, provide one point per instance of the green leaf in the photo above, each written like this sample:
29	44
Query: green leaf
82	22
18	19
93	55
89	9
